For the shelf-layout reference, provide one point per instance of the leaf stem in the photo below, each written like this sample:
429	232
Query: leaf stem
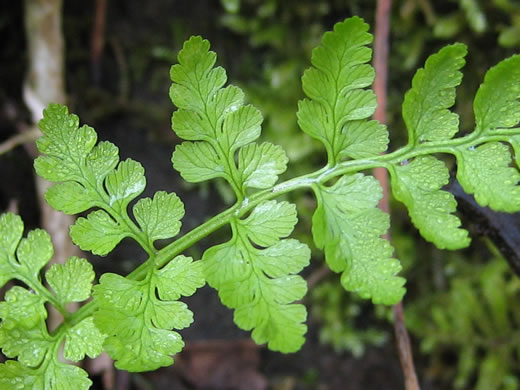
321	176
36	285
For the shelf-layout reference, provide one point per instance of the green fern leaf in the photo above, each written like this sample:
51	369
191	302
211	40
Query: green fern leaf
94	174
72	281
198	161
364	139
23	331
98	233
135	319
260	283
217	118
22	308
125	183
65	145
339	107
51	376
486	172
418	185
261	164
89	176
159	217
496	103
268	222
138	316
425	106
28	345
348	225
83	339
70	197
34	252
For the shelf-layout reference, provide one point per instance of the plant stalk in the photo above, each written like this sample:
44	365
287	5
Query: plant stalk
381	44
239	209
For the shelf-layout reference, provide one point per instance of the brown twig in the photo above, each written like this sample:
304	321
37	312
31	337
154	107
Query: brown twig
123	380
12	206
19	139
98	38
381	67
404	348
317	276
124	82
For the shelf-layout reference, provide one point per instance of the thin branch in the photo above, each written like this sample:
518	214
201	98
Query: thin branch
19	139
381	68
12	206
124	79
317	276
97	42
404	348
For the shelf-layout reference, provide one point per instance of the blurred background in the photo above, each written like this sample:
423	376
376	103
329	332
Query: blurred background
462	308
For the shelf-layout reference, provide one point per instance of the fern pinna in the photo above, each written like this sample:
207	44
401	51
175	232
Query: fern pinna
135	319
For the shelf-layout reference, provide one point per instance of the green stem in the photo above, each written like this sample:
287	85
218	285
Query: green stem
42	291
35	284
321	176
228	160
120	216
123	219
